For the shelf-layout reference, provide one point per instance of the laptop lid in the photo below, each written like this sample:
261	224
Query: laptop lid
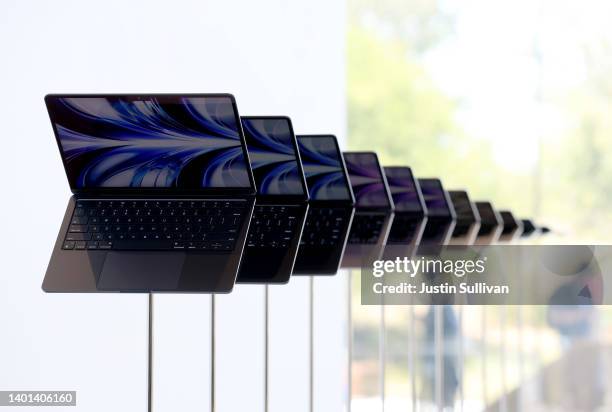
151	144
464	209
511	224
436	199
488	215
325	170
528	227
275	158
405	191
368	181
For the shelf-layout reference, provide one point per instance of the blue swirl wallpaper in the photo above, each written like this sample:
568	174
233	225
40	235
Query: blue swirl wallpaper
433	195
153	142
273	156
323	168
403	189
366	179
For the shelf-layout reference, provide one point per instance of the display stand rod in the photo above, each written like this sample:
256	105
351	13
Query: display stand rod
266	349
439	356
311	342
349	276
412	355
382	332
150	356
212	353
461	357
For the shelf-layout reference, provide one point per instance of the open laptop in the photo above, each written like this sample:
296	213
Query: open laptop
331	206
162	193
468	219
282	200
440	217
373	212
491	224
512	228
528	228
410	212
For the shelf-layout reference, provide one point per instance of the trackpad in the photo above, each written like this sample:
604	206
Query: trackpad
141	271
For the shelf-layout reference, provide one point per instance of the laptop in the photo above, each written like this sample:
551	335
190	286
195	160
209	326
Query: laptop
512	227
440	217
281	201
529	228
373	209
468	219
331	206
410	213
491	224
162	193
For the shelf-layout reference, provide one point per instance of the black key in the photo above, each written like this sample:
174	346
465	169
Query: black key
68	245
221	246
78	236
142	245
81	245
104	245
92	245
79	220
77	229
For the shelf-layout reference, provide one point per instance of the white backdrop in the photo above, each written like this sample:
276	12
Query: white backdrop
277	57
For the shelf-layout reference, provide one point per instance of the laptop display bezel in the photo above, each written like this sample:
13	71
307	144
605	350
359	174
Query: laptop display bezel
449	205
344	202
283	198
417	188
148	191
391	206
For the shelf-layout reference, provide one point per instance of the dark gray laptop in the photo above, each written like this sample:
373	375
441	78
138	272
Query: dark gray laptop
162	193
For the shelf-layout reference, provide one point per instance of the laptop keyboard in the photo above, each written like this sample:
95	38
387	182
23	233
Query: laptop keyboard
155	225
403	229
273	226
324	227
366	229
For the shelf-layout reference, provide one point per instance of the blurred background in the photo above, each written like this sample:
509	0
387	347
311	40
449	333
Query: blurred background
511	101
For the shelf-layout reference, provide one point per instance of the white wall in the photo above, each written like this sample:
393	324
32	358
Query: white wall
276	57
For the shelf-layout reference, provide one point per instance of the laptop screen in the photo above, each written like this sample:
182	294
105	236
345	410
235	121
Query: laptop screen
325	175
404	190
463	206
165	141
273	154
367	180
487	213
434	197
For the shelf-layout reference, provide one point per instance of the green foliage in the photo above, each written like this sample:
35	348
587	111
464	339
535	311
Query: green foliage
397	110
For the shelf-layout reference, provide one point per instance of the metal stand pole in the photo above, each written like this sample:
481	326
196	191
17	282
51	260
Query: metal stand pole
503	406
439	356
266	348
150	356
521	357
311	342
382	354
461	356
411	356
212	353
349	277
484	357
